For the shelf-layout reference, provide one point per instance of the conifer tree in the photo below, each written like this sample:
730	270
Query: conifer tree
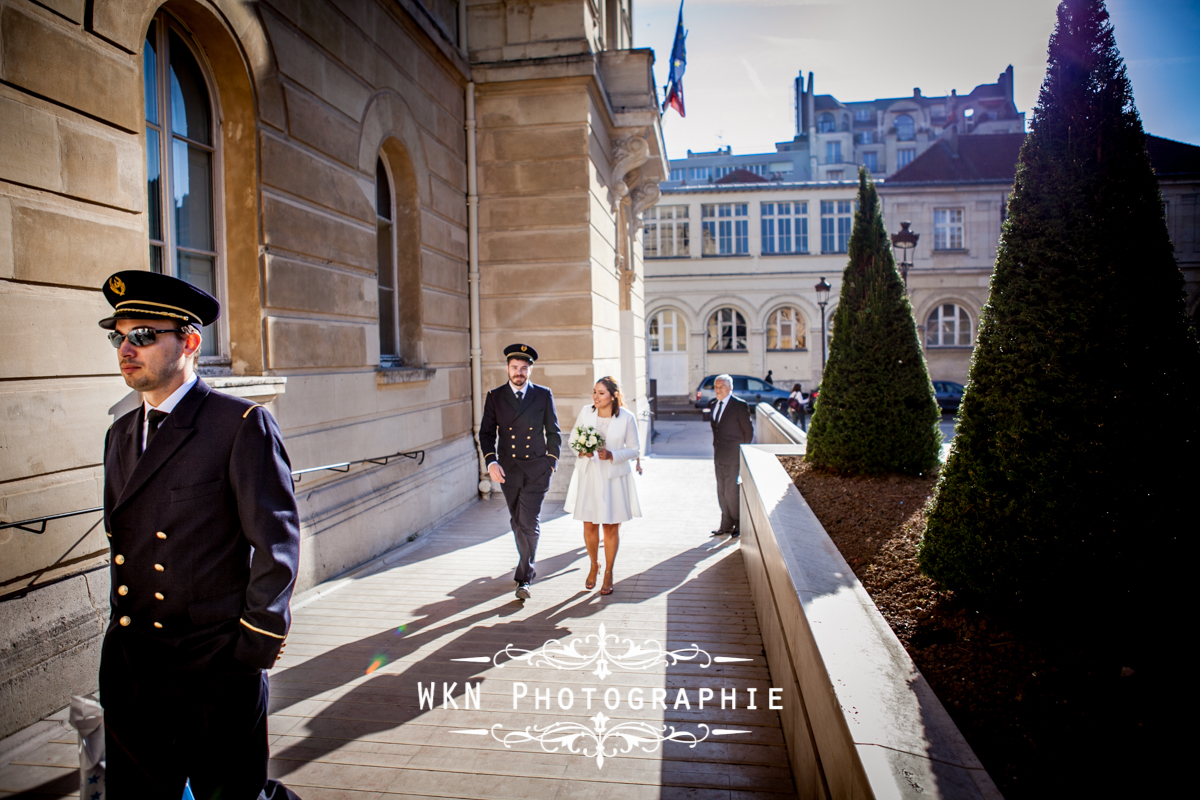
876	412
1075	449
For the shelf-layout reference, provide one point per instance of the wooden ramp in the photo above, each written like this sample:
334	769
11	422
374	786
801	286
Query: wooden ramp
348	720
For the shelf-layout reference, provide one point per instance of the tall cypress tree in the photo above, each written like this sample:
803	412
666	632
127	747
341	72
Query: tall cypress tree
876	412
1076	440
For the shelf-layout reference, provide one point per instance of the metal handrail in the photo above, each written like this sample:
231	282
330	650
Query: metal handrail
25	523
297	476
344	466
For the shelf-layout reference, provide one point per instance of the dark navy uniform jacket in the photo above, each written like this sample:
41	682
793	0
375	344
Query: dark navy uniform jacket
512	433
183	518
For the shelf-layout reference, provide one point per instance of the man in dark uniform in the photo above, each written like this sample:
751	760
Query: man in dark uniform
731	429
520	442
205	538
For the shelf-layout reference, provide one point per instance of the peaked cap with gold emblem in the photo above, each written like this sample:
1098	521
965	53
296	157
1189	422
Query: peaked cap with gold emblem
522	351
136	294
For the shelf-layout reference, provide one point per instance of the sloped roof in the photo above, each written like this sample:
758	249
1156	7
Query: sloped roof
981	157
993	157
1172	158
741	176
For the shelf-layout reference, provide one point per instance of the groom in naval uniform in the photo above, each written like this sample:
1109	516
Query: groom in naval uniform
520	442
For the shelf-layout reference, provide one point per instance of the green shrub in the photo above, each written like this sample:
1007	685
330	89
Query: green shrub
1075	447
876	411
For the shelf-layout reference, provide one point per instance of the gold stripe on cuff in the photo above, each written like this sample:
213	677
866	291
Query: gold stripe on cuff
260	630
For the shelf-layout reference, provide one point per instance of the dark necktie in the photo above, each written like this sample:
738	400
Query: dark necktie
153	419
520	398
720	411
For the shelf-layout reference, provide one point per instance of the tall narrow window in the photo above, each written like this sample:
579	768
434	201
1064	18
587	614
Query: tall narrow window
871	161
947	229
836	220
904	157
905	129
180	160
389	350
833	152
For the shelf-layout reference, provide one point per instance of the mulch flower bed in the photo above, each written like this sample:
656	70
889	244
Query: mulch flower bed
1048	713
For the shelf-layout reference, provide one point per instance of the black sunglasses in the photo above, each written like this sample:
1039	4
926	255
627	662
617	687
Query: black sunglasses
139	337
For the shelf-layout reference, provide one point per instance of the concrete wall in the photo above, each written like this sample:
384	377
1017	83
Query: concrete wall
858	717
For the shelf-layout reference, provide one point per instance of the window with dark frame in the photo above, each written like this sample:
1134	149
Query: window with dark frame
389	347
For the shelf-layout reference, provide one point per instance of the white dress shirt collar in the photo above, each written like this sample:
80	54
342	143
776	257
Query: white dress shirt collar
519	390
167	406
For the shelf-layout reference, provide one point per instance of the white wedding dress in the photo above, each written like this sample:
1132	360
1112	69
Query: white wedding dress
603	491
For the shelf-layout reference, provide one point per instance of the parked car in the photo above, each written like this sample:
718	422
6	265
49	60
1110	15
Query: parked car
948	394
752	390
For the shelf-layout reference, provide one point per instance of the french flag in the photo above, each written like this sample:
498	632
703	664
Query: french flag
678	65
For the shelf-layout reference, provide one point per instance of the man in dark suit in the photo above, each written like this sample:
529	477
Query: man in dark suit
731	428
520	442
205	538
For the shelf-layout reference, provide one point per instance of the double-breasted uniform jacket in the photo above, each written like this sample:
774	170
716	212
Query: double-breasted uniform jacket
513	433
183	519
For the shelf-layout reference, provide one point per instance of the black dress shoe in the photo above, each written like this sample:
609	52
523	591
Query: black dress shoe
720	533
523	592
735	534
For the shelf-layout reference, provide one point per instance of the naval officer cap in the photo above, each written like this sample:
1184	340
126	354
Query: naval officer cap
137	294
522	351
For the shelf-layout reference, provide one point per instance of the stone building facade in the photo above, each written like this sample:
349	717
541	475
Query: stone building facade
956	197
382	193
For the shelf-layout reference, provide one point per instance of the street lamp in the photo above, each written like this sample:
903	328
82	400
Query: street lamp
906	242
822	289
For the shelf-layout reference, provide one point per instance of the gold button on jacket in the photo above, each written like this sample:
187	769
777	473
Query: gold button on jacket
122	590
161	535
159	567
159	596
125	622
119	559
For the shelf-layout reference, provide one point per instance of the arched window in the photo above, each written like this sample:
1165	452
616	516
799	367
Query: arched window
726	330
668	332
389	335
905	130
948	326
785	329
826	123
181	154
398	258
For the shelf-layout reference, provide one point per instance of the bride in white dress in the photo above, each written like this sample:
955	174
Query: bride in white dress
602	491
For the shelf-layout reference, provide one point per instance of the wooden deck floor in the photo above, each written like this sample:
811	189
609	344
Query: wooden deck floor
347	720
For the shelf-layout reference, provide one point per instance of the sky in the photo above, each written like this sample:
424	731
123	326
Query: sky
743	55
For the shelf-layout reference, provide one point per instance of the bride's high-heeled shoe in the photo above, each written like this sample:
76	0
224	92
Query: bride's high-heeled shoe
591	578
608	587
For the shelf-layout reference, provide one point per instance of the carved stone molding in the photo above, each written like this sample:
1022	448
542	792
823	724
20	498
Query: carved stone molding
628	154
644	195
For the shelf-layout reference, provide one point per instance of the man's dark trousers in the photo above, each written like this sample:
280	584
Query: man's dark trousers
525	486
162	729
730	431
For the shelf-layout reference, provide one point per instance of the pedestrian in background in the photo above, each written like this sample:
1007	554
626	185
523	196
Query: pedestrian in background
770	379
796	407
731	429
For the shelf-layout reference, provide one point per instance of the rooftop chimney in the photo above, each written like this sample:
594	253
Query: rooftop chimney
916	91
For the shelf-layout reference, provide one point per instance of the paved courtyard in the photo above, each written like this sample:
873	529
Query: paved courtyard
347	720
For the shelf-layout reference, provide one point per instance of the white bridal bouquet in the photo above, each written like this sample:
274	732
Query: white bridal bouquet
586	440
